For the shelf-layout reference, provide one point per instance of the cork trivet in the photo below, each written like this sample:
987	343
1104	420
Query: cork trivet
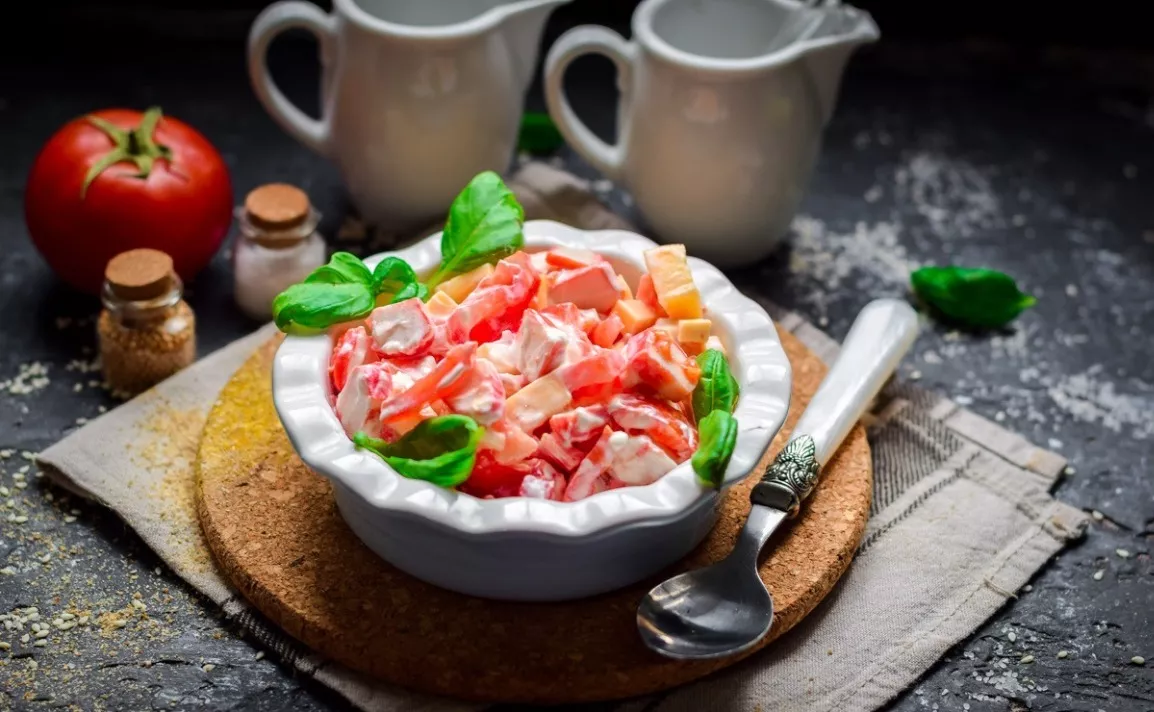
274	528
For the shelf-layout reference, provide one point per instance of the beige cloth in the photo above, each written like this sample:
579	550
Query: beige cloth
962	518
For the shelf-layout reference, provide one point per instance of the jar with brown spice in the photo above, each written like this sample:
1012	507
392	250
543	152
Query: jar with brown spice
147	331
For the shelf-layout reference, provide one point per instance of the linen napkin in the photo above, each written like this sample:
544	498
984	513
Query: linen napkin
961	519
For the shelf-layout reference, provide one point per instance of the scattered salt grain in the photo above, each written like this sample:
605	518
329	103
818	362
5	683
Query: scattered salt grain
4	491
40	643
1098	575
5	646
1098	516
1011	636
30	378
259	655
1027	659
1138	660
208	667
1062	654
1122	553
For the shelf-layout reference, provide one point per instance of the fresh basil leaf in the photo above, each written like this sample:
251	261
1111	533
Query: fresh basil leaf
538	134
416	289
394	281
717	434
717	389
982	298
440	450
343	268
484	225
312	306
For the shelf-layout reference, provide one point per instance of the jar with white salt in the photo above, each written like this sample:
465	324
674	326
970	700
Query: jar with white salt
277	246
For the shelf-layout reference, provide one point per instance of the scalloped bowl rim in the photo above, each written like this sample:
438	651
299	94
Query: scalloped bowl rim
301	397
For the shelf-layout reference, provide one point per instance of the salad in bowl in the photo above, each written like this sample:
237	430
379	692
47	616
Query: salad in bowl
497	398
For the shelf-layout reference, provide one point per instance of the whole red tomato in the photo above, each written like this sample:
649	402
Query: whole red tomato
120	179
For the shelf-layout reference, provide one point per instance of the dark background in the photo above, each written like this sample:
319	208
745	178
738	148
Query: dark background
1110	24
1047	107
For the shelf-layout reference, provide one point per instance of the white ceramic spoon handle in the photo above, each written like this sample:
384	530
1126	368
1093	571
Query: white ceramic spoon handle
879	338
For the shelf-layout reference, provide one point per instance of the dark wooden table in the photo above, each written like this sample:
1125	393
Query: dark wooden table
1041	165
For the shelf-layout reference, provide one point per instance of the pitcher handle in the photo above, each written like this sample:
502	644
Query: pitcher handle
576	42
275	19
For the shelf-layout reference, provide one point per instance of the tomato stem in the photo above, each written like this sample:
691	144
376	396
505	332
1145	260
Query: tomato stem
135	145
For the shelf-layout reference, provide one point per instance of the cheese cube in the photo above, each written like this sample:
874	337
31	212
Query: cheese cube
635	315
440	305
673	281
693	331
531	406
462	285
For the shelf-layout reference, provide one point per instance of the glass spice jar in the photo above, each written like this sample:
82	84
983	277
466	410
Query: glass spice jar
277	246
147	331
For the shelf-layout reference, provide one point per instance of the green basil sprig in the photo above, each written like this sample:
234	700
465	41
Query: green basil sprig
981	298
343	290
538	134
441	450
717	388
714	399
717	433
484	225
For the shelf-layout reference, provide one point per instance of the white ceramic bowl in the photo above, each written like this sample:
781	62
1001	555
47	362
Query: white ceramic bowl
530	549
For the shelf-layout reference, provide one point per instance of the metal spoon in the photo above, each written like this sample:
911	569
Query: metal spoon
724	609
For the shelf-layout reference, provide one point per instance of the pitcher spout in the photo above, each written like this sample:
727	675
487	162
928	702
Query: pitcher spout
831	40
522	24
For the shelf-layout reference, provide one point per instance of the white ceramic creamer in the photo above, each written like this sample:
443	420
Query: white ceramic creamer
417	96
722	108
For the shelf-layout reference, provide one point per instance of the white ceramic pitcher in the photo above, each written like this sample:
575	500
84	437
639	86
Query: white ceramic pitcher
417	96
721	113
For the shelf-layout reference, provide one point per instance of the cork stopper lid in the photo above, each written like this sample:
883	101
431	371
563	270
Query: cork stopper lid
140	275
277	206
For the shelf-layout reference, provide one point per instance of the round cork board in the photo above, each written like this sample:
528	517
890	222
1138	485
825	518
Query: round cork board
274	528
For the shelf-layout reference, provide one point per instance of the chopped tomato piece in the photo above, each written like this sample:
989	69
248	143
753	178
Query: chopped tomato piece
606	333
352	350
433	385
402	329
656	363
492	479
664	423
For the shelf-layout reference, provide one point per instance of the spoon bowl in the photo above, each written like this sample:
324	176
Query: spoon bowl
716	611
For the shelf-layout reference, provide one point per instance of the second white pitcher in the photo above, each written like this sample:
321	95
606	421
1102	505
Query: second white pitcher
722	109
